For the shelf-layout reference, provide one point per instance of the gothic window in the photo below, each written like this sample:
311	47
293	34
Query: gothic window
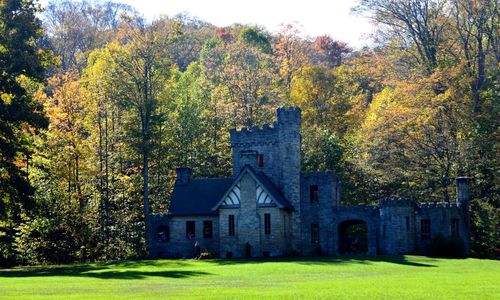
267	223
315	233
383	231
207	229
313	193
407	219
231	225
163	233
425	229
261	160
455	227
190	229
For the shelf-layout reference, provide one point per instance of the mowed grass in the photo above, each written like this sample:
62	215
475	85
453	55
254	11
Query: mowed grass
381	277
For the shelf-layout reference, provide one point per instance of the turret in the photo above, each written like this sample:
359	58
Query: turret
462	191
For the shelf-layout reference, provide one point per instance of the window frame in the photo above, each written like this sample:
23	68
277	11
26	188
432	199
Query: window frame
267	224
231	226
260	160
314	193
455	227
208	229
193	231
315	233
425	229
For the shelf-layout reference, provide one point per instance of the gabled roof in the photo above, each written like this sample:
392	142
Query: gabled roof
198	196
265	183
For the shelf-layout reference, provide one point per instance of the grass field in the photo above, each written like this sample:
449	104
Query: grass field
382	277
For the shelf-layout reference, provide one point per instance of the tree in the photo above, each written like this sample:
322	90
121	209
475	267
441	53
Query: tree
478	31
143	64
291	55
328	52
419	25
75	28
22	64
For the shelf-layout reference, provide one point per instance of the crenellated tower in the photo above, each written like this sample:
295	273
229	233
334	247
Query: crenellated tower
275	151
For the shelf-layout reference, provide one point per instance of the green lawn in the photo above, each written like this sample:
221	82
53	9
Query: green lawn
382	277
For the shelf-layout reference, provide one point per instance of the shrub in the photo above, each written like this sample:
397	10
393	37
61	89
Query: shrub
446	246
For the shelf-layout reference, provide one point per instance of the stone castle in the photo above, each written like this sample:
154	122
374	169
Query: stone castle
270	208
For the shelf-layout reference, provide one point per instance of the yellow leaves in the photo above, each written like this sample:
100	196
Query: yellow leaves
6	98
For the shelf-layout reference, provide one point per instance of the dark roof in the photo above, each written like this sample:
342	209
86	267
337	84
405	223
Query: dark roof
198	196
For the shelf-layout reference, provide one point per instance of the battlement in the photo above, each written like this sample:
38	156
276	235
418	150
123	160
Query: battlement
289	115
254	135
396	202
424	205
286	116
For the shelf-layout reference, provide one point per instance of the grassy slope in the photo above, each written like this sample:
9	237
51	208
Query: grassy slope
409	277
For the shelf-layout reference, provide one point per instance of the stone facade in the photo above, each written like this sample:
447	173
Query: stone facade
270	208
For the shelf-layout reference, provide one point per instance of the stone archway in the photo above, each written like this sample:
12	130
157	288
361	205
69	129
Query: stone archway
353	237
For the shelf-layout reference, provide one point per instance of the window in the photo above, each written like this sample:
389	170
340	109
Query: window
231	225
313	193
455	227
315	233
425	229
261	160
383	231
190	229
407	219
267	223
207	229
163	233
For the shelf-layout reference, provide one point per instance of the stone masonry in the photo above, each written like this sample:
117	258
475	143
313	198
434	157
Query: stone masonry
270	208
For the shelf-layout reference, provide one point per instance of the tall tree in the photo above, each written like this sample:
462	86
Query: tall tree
477	25
143	62
414	24
21	62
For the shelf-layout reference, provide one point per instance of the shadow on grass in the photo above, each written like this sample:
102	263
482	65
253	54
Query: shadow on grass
97	271
340	260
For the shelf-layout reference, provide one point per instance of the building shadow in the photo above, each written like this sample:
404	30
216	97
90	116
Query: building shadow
339	260
97	271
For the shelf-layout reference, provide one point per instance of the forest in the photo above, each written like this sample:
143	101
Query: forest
99	106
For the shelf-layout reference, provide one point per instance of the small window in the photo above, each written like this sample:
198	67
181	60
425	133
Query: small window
455	227
313	193
383	231
407	219
425	229
315	233
190	229
261	160
163	233
231	225
267	224
207	229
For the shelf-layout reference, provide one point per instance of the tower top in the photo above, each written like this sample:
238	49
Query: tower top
289	115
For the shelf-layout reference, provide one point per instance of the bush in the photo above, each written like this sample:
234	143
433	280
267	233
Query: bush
446	246
205	254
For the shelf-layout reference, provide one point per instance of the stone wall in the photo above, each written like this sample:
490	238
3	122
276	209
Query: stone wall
320	212
397	226
440	215
179	245
249	226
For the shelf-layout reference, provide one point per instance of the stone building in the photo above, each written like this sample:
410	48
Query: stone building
270	208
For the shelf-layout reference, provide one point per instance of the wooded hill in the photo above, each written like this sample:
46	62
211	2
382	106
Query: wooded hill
99	106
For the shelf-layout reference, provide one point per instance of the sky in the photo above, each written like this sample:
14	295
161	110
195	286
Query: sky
313	17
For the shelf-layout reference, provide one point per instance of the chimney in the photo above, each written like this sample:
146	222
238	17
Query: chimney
183	176
463	191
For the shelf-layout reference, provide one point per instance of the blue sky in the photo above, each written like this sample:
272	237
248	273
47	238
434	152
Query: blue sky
314	17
